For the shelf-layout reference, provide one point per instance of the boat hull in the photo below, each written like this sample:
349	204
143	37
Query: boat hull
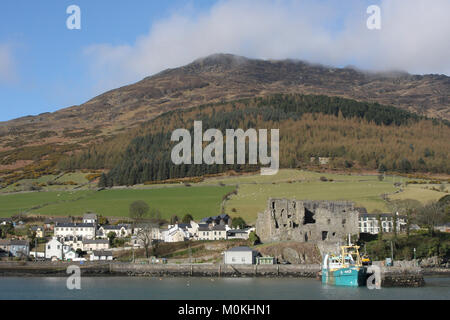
348	277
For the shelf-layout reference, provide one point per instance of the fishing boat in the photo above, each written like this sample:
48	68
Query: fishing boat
345	269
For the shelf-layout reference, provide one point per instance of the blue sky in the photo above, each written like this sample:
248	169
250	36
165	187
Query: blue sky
45	67
50	68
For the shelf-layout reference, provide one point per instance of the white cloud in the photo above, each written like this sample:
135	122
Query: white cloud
7	65
414	37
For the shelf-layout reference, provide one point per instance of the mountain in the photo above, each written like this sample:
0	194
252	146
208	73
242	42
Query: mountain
217	78
349	133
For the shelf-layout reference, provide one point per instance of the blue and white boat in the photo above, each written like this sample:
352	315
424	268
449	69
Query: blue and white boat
345	269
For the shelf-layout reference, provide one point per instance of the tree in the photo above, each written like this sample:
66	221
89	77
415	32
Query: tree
144	235
406	207
187	218
174	219
103	182
253	238
431	215
238	223
138	211
6	229
102	220
111	236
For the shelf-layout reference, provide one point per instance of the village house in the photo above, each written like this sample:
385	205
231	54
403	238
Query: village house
55	250
369	223
14	248
222	219
192	228
240	255
242	234
70	255
84	230
101	256
154	230
73	242
38	230
97	245
175	234
90	218
121	230
217	232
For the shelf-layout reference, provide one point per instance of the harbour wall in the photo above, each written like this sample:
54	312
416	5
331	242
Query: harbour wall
390	276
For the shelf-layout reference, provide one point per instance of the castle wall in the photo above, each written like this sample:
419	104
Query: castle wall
307	221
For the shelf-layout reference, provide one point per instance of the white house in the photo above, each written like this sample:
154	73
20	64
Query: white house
240	255
73	242
242	234
101	256
368	222
154	230
70	255
216	232
90	218
121	230
55	250
97	244
83	230
175	234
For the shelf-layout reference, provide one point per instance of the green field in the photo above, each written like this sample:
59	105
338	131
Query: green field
364	190
205	199
78	178
200	201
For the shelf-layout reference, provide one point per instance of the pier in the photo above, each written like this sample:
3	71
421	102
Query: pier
390	276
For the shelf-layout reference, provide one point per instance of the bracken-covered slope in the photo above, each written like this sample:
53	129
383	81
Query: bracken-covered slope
216	78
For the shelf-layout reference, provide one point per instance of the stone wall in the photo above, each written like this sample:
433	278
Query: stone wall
307	221
214	270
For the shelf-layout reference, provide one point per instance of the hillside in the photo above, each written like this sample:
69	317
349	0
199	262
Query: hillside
351	133
37	142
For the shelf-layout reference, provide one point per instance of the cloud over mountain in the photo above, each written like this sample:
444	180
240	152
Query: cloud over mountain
414	37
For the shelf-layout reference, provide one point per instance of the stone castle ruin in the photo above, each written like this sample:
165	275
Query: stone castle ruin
307	221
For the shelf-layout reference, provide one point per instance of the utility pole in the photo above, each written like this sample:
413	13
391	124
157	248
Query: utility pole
190	253
35	249
392	252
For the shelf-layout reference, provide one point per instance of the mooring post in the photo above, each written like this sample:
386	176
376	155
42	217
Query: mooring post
192	269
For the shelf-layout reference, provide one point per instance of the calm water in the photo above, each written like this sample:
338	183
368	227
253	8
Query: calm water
208	289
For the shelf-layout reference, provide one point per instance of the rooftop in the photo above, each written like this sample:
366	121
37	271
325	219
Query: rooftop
100	253
240	249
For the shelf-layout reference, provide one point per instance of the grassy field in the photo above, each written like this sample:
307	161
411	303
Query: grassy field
199	201
364	190
204	199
